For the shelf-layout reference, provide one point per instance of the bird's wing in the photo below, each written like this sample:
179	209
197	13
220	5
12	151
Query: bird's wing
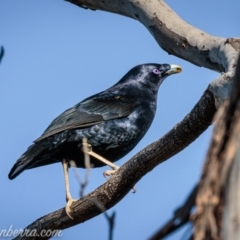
90	112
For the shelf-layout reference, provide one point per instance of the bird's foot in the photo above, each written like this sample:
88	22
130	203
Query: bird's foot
134	189
109	173
68	206
87	148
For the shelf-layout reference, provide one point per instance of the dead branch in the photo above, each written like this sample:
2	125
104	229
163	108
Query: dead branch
83	184
181	217
231	210
2	51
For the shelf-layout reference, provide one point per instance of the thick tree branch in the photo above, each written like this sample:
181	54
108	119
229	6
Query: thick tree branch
213	185
132	171
209	212
179	38
231	229
173	34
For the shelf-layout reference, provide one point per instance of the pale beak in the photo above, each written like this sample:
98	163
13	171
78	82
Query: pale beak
174	69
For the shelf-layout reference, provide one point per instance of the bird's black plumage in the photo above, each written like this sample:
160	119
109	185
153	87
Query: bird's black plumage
113	121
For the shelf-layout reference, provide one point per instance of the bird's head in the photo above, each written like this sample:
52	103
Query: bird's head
152	75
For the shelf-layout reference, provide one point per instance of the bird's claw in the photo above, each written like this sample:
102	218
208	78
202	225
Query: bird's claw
134	189
68	206
109	173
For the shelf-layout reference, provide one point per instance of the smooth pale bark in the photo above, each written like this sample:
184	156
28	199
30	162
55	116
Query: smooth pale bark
179	38
231	211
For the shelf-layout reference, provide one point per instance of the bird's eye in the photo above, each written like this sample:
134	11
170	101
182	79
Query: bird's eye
156	71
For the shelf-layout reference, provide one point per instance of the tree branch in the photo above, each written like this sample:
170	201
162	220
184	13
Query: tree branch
231	212
172	33
221	154
181	217
179	38
2	51
132	171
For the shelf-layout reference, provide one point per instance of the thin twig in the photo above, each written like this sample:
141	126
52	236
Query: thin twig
2	52
110	219
84	183
181	217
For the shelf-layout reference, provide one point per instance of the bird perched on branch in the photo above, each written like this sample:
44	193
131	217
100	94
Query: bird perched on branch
112	121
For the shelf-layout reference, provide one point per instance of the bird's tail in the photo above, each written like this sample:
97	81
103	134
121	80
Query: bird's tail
27	160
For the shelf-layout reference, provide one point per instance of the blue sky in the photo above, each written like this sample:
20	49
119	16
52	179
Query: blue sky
57	54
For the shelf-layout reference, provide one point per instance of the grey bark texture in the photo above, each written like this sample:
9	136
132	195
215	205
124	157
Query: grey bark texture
217	203
231	211
180	39
231	221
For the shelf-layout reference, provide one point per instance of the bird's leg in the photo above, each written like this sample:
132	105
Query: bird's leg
107	162
69	198
110	164
87	148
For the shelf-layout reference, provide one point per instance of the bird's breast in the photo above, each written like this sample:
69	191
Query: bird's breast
119	136
111	139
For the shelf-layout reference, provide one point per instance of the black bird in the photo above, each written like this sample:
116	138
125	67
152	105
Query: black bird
112	121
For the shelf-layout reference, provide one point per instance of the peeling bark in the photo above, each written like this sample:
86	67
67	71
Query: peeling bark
231	214
215	191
